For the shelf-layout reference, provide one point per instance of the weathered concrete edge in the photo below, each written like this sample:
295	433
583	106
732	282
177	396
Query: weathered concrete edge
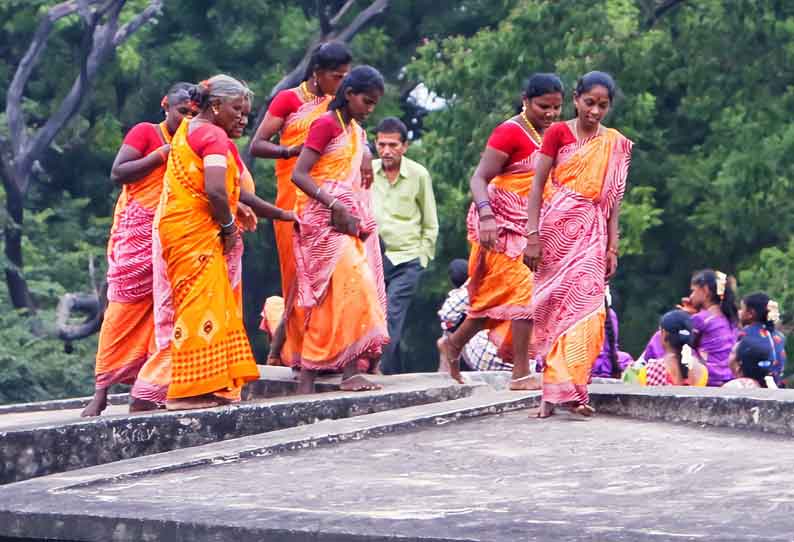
747	413
36	452
61	404
53	522
302	442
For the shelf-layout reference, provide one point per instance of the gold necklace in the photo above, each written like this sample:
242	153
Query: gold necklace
308	94
534	135
341	121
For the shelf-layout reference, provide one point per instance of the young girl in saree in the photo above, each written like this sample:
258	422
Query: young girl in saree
572	241
290	115
339	271
500	285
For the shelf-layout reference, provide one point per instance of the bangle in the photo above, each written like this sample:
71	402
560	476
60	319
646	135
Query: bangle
284	152
317	192
531	233
231	222
227	233
483	203
332	204
163	155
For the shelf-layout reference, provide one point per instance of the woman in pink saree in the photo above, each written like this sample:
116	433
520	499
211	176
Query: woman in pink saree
572	241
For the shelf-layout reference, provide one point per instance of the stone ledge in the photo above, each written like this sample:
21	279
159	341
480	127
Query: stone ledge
31	452
768	411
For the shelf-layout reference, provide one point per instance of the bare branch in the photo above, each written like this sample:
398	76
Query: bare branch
294	77
16	121
154	8
661	10
342	11
90	304
375	8
322	14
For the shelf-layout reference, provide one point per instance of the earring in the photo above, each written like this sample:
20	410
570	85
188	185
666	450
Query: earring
215	110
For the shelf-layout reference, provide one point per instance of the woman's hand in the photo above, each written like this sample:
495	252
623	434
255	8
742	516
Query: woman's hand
294	150
343	221
246	217
230	240
686	305
488	230
611	264
532	252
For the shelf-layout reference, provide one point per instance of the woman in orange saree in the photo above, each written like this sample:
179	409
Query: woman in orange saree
573	241
500	285
155	376
126	336
336	248
210	358
289	115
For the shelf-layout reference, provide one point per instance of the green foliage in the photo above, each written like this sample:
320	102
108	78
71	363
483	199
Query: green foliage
705	95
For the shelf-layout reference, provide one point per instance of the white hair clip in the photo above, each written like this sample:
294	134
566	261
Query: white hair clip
773	311
687	356
684	332
722	280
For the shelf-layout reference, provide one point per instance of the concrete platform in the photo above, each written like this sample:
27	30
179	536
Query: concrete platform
504	477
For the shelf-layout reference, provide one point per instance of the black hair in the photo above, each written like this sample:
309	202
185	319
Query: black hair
755	357
179	92
360	79
759	304
595	79
328	56
540	84
458	272
678	325
612	342
393	125
727	302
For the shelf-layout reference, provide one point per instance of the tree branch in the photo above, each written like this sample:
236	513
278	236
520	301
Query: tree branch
660	11
293	77
154	8
341	13
16	120
322	14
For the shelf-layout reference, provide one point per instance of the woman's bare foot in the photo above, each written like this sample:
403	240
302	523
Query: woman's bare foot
545	410
450	358
585	411
527	383
358	383
192	403
139	405
97	404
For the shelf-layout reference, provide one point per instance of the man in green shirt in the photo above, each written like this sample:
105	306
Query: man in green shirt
405	210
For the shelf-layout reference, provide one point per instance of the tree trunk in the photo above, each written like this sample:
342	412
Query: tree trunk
17	285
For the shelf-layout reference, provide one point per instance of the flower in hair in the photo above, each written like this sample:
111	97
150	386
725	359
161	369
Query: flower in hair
722	280
773	311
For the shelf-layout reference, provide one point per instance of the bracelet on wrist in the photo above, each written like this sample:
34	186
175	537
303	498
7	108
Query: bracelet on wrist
230	231
284	152
530	233
331	205
229	224
482	204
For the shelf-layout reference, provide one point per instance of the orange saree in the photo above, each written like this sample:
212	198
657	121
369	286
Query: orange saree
127	334
294	132
209	348
586	186
339	293
500	285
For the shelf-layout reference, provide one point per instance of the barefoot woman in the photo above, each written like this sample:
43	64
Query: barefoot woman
344	320
289	115
500	287
211	357
572	245
126	338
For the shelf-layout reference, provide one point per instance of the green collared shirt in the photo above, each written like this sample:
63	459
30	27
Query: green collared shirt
406	212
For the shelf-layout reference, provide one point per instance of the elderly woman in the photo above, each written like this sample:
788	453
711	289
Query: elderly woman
198	236
126	337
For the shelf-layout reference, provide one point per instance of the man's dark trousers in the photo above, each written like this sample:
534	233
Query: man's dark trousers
401	283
